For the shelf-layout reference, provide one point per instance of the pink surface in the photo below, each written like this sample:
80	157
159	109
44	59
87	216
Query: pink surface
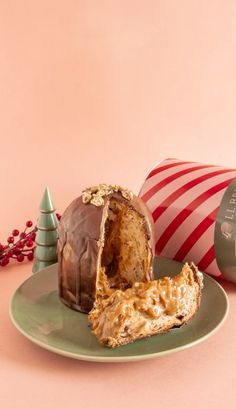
101	91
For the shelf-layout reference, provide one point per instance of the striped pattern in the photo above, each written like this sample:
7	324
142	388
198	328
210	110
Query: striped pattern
184	198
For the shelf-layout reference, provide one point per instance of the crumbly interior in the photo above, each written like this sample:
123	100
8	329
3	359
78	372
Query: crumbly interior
146	308
126	256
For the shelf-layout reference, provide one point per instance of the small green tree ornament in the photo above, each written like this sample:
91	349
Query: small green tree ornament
45	252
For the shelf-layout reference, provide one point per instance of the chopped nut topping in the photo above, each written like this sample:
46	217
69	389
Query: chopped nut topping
95	194
97	200
127	194
86	197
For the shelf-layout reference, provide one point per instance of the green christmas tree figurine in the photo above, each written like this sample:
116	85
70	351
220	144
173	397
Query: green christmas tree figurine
46	237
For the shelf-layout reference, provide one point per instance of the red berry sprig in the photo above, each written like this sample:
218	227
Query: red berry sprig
20	245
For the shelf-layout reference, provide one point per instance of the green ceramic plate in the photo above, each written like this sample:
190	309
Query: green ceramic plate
37	313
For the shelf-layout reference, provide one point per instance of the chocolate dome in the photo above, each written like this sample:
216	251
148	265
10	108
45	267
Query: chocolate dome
106	240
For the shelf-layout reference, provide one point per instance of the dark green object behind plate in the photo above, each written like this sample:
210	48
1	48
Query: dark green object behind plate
37	313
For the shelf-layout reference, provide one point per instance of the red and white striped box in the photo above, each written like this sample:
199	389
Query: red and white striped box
194	211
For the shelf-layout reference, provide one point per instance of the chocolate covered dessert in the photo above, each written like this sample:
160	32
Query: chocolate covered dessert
106	243
105	257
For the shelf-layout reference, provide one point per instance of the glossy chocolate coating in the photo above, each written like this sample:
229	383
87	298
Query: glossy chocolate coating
79	234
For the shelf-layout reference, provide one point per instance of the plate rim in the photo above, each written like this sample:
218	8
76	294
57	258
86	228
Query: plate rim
128	358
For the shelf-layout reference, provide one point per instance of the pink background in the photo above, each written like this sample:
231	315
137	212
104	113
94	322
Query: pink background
95	91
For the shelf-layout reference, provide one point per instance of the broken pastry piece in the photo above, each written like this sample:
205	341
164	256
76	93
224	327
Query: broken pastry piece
147	308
